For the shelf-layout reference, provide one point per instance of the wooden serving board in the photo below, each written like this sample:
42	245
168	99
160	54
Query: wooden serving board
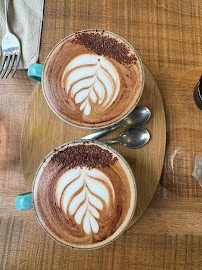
43	131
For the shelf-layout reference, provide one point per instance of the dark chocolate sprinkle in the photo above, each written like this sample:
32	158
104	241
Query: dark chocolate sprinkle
106	46
83	155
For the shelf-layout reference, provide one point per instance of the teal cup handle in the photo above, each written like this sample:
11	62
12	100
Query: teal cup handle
35	71
24	201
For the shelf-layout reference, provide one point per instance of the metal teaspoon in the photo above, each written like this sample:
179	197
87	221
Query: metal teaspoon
131	138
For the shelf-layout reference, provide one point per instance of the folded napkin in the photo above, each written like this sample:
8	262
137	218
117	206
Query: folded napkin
25	21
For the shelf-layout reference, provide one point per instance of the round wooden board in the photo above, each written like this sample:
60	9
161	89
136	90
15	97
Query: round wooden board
43	131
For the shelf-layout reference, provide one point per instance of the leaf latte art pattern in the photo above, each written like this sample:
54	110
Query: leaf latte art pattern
83	193
92	79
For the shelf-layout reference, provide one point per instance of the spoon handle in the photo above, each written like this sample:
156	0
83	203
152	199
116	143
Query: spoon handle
99	133
110	141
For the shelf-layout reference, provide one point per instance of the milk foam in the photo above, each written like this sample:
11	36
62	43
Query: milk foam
92	79
84	194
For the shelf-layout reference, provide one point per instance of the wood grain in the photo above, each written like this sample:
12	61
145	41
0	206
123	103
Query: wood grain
167	35
43	131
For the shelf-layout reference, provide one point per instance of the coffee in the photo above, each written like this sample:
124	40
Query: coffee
93	79
84	195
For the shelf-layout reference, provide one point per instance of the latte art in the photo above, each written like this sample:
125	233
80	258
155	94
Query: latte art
83	193
91	78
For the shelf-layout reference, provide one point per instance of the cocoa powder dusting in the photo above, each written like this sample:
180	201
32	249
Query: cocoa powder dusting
106	46
83	156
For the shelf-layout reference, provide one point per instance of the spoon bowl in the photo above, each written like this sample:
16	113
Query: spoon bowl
137	118
134	137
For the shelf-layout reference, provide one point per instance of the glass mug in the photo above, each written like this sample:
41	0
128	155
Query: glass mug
105	98
108	217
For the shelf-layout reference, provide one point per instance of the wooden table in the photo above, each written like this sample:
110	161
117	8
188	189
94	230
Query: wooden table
167	36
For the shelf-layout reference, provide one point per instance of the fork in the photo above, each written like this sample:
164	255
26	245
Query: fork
11	49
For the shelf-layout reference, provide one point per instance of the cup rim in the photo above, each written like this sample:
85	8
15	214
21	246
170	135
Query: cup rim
133	180
128	112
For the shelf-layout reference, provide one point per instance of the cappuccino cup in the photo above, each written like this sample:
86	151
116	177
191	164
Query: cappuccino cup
91	79
83	195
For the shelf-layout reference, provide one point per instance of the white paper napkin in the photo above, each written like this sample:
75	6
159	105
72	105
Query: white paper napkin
25	21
